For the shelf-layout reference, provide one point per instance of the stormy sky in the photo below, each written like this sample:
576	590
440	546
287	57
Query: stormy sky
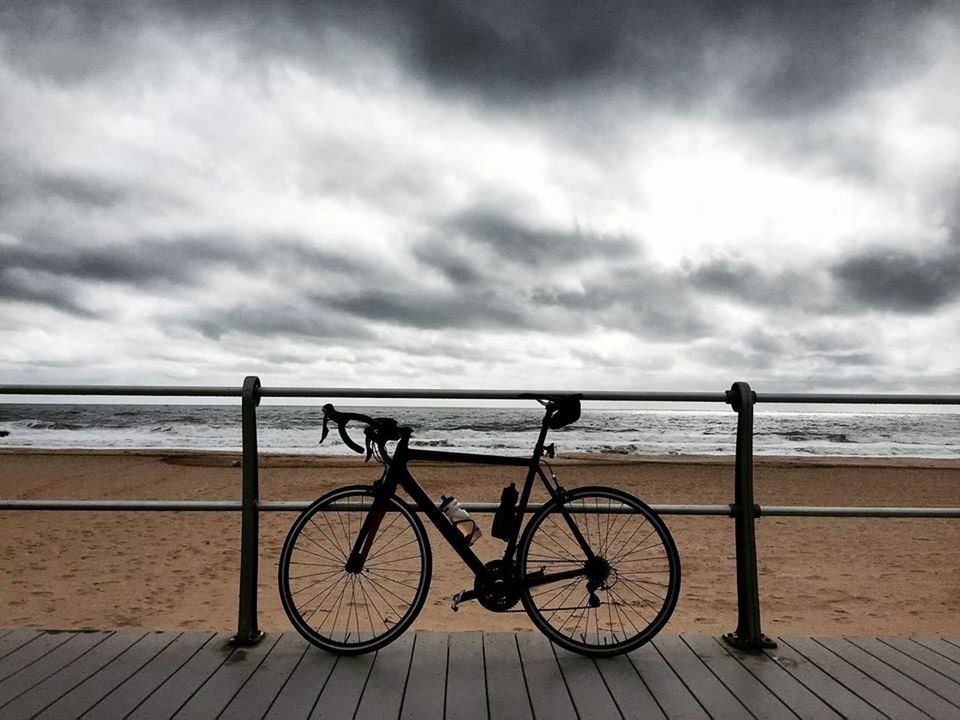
494	195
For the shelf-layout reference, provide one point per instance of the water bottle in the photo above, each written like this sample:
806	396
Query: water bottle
458	516
506	514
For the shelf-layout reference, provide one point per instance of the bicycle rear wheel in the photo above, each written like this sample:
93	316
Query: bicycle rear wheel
348	612
627	591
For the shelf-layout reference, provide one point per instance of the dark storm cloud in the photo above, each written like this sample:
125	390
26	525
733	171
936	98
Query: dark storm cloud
504	272
293	317
818	51
149	264
445	309
40	289
69	41
643	299
153	261
897	280
749	283
89	192
809	54
487	238
765	346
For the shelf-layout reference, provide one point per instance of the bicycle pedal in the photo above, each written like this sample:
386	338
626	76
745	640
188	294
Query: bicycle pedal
456	601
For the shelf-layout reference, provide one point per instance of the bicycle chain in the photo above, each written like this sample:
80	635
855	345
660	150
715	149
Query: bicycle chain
572	607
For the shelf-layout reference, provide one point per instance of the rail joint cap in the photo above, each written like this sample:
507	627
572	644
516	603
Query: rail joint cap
251	390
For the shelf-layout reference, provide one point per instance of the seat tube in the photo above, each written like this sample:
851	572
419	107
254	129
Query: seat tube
528	486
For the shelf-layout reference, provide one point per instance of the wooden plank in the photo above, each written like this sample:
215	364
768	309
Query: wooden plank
941	646
177	689
674	698
299	694
15	639
55	686
896	681
944	686
258	693
97	686
716	699
341	695
791	692
549	696
427	681
840	698
135	689
506	690
855	680
35	673
466	684
628	689
751	692
383	695
30	652
587	689
215	694
931	659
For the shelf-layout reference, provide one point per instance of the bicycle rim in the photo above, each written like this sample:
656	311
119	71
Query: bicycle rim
353	612
635	578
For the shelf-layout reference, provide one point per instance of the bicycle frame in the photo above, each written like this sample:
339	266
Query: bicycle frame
397	475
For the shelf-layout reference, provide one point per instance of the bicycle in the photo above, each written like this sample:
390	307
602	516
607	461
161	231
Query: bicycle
595	569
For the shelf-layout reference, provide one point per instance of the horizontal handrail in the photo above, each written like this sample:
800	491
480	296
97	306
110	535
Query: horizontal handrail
469	394
125	505
476	507
122	390
857	399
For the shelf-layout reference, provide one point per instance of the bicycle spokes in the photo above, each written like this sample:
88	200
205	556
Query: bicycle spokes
346	606
622	594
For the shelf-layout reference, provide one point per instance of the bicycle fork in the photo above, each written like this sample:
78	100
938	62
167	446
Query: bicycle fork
367	534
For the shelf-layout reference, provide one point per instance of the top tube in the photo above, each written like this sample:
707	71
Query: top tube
471	458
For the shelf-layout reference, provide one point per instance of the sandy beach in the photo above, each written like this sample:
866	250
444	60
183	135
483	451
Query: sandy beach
827	576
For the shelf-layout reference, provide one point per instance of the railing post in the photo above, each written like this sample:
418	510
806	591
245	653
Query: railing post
248	631
748	635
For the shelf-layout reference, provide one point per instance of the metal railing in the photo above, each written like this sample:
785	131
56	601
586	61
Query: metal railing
743	509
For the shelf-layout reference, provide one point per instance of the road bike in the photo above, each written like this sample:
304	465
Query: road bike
595	569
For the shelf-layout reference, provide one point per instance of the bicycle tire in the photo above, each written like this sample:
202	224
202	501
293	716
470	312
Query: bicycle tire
642	584
390	585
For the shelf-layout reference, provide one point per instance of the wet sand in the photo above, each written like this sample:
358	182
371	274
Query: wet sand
826	576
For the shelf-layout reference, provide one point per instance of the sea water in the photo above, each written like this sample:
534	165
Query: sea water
296	429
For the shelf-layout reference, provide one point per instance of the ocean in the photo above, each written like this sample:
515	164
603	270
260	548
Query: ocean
509	431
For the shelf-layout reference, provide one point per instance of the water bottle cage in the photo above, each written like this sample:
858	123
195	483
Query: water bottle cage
474	533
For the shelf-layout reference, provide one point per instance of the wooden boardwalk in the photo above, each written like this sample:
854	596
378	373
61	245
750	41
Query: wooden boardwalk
470	675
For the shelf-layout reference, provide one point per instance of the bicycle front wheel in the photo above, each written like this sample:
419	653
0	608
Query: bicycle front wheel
345	611
630	578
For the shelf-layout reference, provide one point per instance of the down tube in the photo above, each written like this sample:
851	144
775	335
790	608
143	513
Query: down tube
440	521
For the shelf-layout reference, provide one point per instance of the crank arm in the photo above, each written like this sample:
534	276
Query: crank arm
462	597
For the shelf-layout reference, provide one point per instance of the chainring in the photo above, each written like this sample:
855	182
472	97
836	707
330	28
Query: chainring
502	591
